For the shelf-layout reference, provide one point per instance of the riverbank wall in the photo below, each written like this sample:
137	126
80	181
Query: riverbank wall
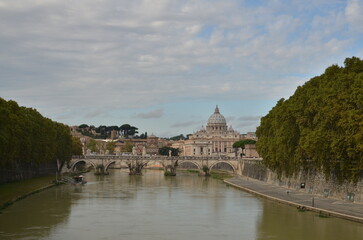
309	182
27	171
4	205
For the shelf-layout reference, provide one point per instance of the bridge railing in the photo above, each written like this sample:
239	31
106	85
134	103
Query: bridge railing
160	157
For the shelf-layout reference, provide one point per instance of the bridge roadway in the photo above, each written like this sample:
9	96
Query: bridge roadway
123	161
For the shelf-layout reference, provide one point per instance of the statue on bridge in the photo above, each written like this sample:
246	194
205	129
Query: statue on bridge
170	169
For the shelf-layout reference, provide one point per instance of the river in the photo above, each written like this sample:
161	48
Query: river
119	206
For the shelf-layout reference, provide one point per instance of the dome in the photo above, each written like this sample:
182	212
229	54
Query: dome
152	136
216	118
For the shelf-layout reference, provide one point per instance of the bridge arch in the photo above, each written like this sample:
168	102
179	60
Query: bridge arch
193	162
108	165
226	162
161	162
82	160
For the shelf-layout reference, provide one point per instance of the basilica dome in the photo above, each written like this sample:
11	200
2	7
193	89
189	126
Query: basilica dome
216	118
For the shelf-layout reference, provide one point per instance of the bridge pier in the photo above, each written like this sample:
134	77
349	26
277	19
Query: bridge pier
170	167
206	170
136	166
101	170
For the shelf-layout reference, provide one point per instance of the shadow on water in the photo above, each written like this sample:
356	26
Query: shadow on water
36	215
298	225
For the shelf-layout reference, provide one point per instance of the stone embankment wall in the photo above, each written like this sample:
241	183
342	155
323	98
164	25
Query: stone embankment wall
314	182
26	171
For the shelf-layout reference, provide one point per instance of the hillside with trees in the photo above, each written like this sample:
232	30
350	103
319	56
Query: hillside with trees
30	144
103	132
319	128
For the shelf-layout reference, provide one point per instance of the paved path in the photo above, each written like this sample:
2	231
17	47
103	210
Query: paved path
334	207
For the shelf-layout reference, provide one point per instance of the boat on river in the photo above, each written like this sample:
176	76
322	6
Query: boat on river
79	180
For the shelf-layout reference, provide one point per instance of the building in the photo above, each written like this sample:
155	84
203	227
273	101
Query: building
215	139
113	134
250	151
152	145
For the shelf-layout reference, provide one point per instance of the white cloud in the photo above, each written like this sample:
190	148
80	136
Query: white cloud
91	56
249	118
354	14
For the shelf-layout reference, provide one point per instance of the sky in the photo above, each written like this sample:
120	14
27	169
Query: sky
162	65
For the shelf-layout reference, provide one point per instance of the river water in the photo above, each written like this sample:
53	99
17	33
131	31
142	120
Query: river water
119	206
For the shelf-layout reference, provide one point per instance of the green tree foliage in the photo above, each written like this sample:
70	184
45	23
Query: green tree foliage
76	146
103	132
242	143
110	146
94	146
165	151
320	127
28	140
179	137
128	130
127	147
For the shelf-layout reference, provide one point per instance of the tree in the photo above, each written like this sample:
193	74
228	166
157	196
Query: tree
319	127
165	151
30	142
110	146
125	128
127	147
132	131
64	149
128	130
76	146
93	146
177	138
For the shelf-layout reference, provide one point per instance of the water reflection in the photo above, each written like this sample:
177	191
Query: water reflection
281	222
36	217
119	206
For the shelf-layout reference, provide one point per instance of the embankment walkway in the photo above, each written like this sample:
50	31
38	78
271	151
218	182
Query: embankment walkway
292	197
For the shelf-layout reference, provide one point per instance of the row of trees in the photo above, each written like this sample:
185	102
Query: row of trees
103	132
166	150
320	127
97	147
29	141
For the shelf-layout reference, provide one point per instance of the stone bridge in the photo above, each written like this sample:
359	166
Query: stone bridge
200	162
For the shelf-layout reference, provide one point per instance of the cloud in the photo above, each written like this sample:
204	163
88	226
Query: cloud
249	118
246	123
92	55
230	118
354	14
158	113
97	113
247	126
186	124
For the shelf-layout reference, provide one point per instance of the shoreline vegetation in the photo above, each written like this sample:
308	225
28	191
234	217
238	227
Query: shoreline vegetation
31	145
220	175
